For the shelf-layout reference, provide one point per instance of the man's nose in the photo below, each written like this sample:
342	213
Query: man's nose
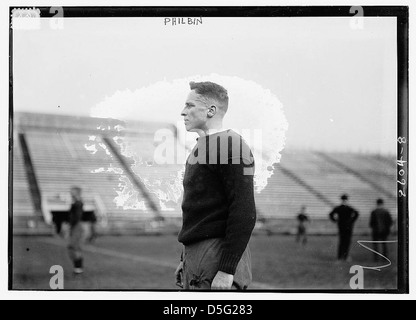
183	113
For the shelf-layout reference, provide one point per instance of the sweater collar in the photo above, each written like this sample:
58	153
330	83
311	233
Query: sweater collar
212	131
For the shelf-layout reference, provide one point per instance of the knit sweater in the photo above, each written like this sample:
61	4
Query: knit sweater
218	197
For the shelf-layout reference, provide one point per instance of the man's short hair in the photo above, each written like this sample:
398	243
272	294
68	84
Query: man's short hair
344	197
380	201
212	91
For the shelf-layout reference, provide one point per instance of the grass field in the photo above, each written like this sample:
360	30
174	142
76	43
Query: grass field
148	263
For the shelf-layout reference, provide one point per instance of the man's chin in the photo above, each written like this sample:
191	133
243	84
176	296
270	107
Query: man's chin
193	129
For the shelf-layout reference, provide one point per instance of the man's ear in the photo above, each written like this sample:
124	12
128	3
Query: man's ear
212	111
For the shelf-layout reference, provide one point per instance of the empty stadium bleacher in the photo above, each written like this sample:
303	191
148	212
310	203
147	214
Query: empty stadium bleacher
333	181
24	214
67	151
380	174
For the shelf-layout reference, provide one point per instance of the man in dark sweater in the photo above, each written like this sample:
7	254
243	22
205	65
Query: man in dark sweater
345	216
380	224
218	204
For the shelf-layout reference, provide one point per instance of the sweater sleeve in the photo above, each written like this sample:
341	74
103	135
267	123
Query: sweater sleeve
241	219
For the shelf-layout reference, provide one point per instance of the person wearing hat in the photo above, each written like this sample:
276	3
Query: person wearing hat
345	216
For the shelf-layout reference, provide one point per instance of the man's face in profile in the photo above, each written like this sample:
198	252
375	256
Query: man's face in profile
195	113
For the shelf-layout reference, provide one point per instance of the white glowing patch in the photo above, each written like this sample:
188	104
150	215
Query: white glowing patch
126	150
115	170
92	148
254	112
128	197
104	147
165	189
92	138
118	128
163	207
98	170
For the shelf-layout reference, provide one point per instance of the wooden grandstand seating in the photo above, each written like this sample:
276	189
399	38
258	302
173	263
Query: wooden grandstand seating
59	168
371	168
23	209
283	197
332	181
57	146
58	149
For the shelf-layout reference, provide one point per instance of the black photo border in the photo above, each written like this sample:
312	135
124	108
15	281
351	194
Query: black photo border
400	12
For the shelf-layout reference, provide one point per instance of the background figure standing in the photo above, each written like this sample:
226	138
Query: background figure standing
302	221
345	216
380	224
76	230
